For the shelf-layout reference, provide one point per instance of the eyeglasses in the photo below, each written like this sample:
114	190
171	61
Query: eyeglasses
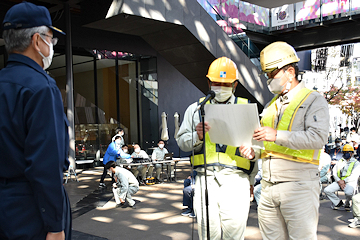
270	75
54	40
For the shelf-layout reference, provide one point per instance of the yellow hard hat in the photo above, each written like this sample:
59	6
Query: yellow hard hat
348	148
277	55
223	70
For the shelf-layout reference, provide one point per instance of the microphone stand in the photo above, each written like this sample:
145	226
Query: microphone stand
202	111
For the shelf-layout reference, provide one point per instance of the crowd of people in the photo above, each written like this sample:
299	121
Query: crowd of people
340	171
118	152
127	177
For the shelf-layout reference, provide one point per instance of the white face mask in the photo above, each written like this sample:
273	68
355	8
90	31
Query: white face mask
47	60
117	141
274	85
222	93
161	146
125	151
137	150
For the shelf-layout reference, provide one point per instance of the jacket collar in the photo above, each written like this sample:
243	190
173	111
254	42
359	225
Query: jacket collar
15	57
288	97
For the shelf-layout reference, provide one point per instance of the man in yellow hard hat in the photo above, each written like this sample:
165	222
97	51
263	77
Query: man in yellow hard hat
294	128
229	175
346	173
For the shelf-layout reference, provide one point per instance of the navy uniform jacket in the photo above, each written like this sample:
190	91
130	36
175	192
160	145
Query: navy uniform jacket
34	137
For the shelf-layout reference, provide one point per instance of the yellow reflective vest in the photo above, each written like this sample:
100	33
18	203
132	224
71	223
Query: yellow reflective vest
271	149
348	172
222	155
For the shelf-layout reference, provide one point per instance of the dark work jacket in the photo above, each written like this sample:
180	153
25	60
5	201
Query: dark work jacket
34	137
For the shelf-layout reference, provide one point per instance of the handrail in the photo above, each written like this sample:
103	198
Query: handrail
245	45
347	10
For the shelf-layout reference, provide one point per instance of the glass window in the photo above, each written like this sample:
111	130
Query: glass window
110	99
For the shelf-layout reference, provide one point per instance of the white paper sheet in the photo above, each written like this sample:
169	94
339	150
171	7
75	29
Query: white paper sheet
233	124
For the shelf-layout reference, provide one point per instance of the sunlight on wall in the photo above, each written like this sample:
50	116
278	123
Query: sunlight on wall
143	12
231	45
221	45
182	2
167	5
201	31
113	10
103	219
247	77
156	15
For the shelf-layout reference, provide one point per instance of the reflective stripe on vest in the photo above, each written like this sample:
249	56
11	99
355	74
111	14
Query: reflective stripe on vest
351	166
271	149
222	155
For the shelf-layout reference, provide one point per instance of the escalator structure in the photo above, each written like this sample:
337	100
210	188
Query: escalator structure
186	36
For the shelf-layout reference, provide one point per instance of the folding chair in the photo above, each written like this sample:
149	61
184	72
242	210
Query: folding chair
70	172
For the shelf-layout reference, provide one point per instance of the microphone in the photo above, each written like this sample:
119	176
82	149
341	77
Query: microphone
210	95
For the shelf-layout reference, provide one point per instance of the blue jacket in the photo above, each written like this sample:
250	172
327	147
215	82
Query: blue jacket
112	153
34	139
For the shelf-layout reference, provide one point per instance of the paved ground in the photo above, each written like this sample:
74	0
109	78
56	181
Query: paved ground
158	213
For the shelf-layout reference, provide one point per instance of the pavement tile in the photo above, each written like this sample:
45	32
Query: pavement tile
158	212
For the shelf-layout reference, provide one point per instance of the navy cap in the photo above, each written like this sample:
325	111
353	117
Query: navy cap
28	15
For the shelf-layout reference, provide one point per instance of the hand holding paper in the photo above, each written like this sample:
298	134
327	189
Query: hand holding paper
265	134
247	152
199	129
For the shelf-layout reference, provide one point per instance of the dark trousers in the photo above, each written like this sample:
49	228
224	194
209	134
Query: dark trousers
188	194
19	213
104	175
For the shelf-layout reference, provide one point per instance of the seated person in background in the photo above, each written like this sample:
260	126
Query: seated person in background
125	185
113	151
346	173
141	169
336	153
188	195
356	211
158	156
352	136
120	160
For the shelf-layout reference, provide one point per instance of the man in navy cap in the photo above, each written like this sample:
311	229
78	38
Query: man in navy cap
34	137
